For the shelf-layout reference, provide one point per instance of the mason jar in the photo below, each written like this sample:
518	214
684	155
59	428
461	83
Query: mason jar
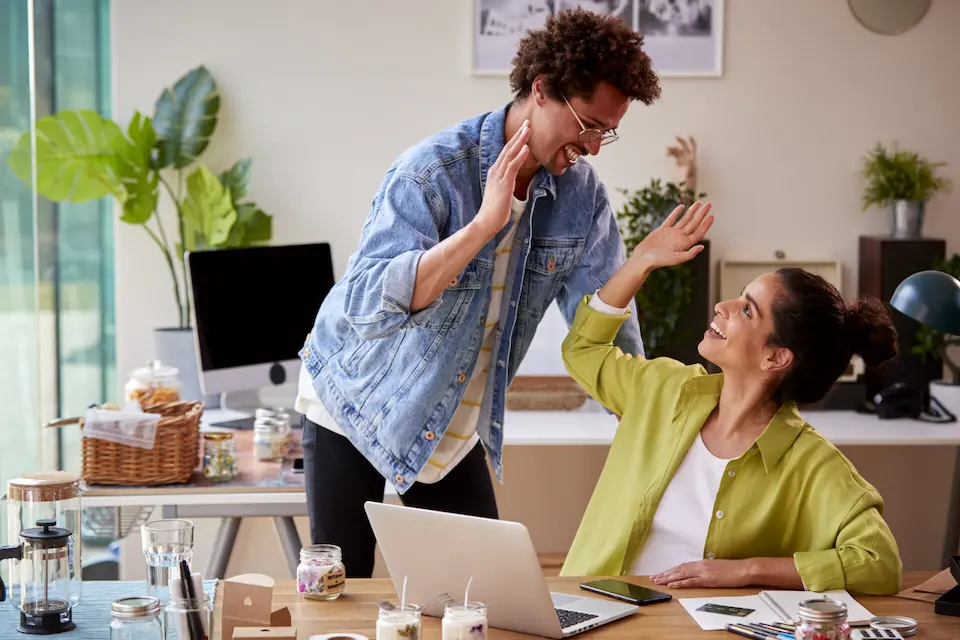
399	623
271	439
219	456
822	619
321	574
136	618
467	621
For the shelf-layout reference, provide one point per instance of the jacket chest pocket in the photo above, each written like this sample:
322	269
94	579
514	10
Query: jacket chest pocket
456	298
548	264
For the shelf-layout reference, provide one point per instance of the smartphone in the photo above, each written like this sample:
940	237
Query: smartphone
298	465
625	591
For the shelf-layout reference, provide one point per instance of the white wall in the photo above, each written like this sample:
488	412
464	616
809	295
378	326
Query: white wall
324	95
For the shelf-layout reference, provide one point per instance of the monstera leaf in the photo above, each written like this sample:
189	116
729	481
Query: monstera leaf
139	178
208	213
236	178
185	118
253	226
76	157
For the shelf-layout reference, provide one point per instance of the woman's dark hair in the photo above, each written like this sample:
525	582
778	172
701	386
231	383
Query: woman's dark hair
812	319
576	50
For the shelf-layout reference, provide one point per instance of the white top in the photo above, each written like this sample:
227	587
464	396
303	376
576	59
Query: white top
679	529
461	434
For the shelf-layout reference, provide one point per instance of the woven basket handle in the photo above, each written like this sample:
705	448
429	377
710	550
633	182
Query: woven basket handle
62	422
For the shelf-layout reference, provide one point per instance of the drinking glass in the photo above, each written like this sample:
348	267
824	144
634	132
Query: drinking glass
165	544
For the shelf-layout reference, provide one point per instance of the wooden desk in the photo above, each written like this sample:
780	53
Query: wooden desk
356	612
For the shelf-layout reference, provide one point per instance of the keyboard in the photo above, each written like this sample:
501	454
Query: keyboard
572	618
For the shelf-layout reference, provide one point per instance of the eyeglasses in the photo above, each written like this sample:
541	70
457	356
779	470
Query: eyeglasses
589	136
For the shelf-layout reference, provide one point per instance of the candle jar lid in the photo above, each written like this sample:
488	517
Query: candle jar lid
217	435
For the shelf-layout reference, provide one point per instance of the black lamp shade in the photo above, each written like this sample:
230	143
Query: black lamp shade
931	298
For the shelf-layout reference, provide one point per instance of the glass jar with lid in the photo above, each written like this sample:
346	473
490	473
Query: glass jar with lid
271	434
321	574
136	618
154	383
219	456
822	619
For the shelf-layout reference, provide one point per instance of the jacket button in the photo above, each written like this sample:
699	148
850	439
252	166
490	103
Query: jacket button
429	435
462	378
306	352
398	478
710	556
453	282
719	514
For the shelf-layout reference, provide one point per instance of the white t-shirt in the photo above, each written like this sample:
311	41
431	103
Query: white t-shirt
680	525
461	434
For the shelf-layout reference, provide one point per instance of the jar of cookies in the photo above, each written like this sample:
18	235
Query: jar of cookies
154	383
219	456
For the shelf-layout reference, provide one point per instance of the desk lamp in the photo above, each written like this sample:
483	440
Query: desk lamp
933	298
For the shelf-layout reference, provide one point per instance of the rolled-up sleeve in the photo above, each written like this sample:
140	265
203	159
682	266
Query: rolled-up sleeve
865	560
404	225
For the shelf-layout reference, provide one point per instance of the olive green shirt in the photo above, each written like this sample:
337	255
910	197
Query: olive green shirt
791	494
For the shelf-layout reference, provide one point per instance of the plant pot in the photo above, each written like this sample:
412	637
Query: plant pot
176	347
906	218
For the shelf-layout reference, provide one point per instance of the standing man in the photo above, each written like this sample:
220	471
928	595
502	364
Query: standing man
473	233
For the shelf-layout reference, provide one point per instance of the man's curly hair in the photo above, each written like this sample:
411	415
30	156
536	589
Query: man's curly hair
576	50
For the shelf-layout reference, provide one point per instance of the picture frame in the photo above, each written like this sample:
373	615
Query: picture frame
684	40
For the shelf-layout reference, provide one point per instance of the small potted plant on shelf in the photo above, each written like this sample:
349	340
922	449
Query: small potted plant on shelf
902	182
82	156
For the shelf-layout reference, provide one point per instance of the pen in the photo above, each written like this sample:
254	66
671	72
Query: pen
770	630
745	632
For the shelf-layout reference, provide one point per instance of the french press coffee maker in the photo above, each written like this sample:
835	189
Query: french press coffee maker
41	591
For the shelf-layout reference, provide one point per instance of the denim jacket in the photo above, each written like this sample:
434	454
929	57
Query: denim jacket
391	377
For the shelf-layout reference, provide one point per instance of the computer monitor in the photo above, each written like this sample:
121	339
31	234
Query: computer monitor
253	308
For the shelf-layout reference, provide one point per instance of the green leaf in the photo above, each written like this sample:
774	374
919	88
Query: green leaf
208	213
236	178
140	180
185	118
76	158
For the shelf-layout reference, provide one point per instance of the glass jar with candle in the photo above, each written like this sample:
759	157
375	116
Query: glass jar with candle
399	623
822	619
219	456
321	574
465	621
271	438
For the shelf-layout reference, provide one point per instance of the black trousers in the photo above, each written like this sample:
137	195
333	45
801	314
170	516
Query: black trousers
339	480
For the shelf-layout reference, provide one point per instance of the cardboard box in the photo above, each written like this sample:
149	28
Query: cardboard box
265	633
248	602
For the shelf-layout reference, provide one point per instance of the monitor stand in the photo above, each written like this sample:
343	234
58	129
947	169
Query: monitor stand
246	403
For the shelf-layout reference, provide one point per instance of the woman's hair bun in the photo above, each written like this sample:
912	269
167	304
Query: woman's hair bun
871	332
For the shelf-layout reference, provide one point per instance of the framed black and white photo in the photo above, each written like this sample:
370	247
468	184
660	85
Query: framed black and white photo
682	37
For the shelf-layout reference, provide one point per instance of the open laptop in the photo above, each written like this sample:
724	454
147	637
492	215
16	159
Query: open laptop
439	552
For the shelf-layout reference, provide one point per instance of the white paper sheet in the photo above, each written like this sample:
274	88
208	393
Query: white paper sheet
788	600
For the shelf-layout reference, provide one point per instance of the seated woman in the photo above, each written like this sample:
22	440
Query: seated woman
716	480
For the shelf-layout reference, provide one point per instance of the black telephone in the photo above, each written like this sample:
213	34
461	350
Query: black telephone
902	401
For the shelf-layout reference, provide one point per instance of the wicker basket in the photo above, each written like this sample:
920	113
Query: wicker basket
173	459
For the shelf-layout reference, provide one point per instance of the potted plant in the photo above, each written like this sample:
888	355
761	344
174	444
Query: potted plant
902	182
667	293
936	344
81	156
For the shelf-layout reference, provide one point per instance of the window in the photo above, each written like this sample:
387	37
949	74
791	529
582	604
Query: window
56	260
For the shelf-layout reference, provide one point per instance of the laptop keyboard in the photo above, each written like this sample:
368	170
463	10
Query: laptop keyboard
572	618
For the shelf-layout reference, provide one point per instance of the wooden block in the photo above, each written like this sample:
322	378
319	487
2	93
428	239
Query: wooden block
265	633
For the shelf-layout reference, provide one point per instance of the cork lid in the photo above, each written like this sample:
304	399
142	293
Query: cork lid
46	486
